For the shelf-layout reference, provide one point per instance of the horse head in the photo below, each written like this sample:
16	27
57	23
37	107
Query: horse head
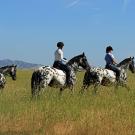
132	65
12	71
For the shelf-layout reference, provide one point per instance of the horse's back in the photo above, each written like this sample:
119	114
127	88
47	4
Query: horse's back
111	73
54	70
58	71
50	73
43	67
104	73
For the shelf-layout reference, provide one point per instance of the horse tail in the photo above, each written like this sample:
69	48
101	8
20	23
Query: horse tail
35	82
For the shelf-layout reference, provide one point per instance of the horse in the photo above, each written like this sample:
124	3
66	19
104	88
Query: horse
100	76
49	76
9	70
2	81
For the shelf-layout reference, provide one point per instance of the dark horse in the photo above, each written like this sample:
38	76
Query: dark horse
50	76
9	70
99	76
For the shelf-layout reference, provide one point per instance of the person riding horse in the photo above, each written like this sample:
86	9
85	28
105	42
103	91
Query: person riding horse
59	62
111	63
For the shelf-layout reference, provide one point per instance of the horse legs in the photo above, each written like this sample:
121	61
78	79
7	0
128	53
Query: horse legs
96	85
126	86
84	88
116	86
61	91
71	88
86	82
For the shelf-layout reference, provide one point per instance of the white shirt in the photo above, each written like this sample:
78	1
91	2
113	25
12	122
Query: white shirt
112	55
59	55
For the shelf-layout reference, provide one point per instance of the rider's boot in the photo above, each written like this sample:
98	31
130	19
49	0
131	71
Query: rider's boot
118	79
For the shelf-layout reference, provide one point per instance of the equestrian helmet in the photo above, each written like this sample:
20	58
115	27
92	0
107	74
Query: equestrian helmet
108	49
60	44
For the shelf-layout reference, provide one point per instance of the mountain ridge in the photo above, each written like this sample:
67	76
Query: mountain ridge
20	64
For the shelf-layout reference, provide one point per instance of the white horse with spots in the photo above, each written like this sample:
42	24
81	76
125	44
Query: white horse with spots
49	76
100	76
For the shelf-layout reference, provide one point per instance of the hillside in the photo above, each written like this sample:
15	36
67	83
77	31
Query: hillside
20	64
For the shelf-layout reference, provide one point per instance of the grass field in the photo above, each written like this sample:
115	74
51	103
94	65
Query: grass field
110	112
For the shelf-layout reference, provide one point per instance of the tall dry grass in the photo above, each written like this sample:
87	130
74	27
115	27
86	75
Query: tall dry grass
109	112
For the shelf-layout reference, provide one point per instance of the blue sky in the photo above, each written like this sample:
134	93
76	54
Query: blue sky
30	29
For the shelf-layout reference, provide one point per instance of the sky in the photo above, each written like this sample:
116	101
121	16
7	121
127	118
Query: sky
30	29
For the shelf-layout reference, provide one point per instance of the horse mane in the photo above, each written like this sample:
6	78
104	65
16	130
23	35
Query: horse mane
3	67
8	66
74	59
125	61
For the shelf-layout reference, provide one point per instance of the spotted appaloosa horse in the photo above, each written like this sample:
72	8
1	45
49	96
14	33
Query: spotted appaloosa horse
9	70
99	76
49	76
2	81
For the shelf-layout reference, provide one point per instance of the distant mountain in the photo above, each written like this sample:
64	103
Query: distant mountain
20	64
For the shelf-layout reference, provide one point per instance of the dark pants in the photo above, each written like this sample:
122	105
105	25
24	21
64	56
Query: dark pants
63	67
115	69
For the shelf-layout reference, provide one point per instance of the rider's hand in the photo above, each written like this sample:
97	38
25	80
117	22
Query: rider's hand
64	58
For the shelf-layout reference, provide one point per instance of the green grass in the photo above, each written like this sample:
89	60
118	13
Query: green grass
109	112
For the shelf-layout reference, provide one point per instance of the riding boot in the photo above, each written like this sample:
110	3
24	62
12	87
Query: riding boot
118	79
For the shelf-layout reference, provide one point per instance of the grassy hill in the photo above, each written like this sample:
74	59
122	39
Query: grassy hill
108	113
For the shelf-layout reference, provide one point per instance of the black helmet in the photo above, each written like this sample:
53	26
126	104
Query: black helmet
60	44
108	49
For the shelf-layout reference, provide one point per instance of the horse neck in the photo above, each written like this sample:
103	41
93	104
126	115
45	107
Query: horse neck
73	65
124	66
5	70
125	63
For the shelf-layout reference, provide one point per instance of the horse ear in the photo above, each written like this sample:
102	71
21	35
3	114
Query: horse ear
83	54
14	65
133	58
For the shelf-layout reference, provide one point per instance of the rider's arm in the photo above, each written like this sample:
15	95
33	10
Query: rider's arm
114	60
64	60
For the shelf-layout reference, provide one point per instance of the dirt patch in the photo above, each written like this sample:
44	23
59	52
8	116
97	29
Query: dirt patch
63	128
21	124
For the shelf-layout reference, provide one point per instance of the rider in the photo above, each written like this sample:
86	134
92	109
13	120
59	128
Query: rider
59	62
111	62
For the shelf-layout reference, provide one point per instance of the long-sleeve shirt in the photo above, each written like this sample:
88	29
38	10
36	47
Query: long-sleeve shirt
59	55
109	58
